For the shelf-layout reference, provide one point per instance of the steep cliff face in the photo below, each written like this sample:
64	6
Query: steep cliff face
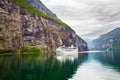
109	40
20	28
10	28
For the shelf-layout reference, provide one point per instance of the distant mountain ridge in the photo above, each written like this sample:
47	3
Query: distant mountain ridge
108	40
89	42
41	7
113	33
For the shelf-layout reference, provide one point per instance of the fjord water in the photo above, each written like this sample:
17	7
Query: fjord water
86	66
99	66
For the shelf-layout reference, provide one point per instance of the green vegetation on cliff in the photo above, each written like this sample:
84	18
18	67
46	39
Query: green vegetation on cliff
29	8
6	51
31	50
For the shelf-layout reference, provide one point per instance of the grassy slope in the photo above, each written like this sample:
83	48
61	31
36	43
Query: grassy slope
32	10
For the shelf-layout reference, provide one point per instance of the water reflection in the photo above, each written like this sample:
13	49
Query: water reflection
94	70
84	66
99	66
37	67
109	58
63	58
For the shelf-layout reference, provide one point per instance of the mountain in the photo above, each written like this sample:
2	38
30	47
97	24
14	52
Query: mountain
41	7
89	42
25	27
110	40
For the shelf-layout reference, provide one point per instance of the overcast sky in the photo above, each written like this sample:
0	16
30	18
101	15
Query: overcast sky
87	17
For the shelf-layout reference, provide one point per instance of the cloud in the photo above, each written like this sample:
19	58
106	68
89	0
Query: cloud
87	17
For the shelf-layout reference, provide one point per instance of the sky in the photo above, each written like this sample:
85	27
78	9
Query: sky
89	18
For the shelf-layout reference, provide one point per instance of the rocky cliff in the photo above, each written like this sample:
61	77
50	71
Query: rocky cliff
24	27
109	40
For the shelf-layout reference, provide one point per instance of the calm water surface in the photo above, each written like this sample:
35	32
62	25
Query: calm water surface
85	66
